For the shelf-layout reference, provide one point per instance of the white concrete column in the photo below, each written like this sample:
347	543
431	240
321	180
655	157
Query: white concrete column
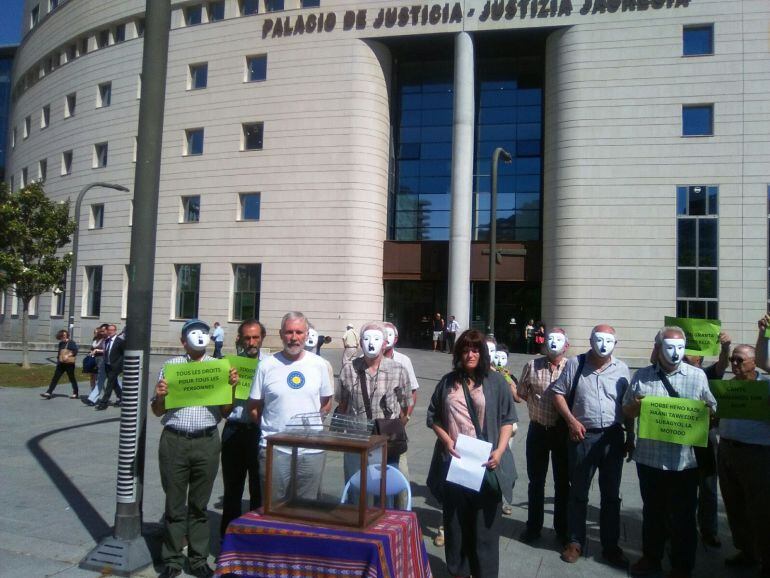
459	302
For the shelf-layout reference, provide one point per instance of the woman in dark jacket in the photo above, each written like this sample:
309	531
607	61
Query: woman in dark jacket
65	363
472	519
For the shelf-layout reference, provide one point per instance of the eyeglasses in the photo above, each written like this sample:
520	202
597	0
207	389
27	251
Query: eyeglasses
737	360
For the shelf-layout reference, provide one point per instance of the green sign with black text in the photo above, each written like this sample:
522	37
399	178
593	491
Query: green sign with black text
246	368
198	383
674	419
738	399
702	334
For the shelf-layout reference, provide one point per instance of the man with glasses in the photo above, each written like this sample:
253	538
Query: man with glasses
744	467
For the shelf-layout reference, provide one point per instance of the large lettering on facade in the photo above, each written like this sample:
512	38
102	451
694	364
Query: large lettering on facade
415	15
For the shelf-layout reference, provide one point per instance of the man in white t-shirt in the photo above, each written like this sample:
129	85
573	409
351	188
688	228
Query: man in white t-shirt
291	382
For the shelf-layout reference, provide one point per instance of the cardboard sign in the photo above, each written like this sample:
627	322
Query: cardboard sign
198	383
246	368
702	334
737	399
674	419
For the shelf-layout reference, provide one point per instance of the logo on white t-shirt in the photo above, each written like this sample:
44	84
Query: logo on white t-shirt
295	380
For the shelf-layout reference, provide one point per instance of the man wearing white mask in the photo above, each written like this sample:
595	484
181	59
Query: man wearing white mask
588	395
189	459
374	386
668	472
546	437
289	383
311	345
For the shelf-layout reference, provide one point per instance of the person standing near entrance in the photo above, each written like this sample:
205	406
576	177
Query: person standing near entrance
218	337
438	332
452	329
349	344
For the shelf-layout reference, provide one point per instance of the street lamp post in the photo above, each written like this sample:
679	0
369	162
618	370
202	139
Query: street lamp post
75	240
496	156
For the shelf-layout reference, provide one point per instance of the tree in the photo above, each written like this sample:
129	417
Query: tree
32	230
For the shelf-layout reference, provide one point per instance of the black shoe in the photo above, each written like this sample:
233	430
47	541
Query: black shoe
203	571
528	536
117	402
740	560
87	401
170	572
100	406
616	558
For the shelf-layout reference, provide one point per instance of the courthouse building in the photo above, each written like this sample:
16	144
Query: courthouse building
334	157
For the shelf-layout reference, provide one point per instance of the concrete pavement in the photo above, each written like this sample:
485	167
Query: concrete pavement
58	464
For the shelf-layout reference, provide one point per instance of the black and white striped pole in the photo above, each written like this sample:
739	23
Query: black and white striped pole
126	550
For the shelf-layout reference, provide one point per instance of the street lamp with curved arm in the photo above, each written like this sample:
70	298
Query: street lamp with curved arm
500	153
75	239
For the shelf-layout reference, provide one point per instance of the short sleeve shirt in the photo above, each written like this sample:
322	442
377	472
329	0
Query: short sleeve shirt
536	377
399	357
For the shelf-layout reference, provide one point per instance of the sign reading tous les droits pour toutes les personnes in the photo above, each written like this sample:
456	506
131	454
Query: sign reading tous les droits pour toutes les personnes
198	383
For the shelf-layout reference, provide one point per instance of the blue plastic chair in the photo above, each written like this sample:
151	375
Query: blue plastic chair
395	483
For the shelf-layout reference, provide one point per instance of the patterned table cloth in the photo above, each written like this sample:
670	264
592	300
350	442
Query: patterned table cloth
260	546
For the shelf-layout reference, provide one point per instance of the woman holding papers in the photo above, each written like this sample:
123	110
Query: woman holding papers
470	405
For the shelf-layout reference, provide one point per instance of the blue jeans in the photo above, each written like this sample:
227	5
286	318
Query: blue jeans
602	450
544	442
670	501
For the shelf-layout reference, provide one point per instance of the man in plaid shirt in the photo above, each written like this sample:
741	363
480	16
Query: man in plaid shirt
668	472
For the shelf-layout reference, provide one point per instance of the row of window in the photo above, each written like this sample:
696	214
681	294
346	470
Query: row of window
246	283
214	11
255	70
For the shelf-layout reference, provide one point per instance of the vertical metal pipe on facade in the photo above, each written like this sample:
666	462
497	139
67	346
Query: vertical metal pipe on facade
462	182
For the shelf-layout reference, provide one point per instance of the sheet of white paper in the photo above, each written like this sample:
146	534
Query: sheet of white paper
468	471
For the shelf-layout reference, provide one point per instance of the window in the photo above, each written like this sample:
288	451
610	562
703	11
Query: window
84	46
27	126
247	281
66	163
193	141
104	95
249	7
93	293
70	102
310	3
273	5
24	178
59	298
256	68
187	287
45	116
698	40
96	218
192	15
34	16
42	170
13	138
198	75
100	155
32	307
697	120
103	39
120	33
53	5
252	136
139	27
133	154
191	209
124	294
139	87
216	11
72	52
249	206
697	273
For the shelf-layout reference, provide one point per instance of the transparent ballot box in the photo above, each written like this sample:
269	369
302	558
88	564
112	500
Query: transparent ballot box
307	473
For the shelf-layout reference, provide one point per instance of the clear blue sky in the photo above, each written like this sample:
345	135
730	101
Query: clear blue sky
10	21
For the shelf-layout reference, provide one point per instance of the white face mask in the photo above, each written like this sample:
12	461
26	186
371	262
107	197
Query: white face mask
673	351
312	339
372	343
197	339
603	344
491	347
500	358
556	343
390	338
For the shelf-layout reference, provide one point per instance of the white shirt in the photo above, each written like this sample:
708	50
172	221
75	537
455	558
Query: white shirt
288	388
407	363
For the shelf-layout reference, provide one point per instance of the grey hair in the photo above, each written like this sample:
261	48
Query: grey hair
292	316
389	324
669	329
375	325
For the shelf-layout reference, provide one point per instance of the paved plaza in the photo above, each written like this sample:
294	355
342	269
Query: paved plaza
58	464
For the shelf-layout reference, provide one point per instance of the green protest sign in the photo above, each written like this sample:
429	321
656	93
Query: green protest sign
737	399
674	419
198	383
702	334
246	367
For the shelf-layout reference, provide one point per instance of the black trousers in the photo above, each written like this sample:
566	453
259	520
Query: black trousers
670	499
112	383
544	442
472	528
61	369
240	457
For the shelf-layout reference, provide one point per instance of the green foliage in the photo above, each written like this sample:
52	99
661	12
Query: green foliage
32	229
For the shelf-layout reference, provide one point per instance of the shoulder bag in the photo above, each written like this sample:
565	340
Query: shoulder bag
391	428
66	355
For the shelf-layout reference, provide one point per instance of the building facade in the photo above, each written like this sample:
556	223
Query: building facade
336	158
